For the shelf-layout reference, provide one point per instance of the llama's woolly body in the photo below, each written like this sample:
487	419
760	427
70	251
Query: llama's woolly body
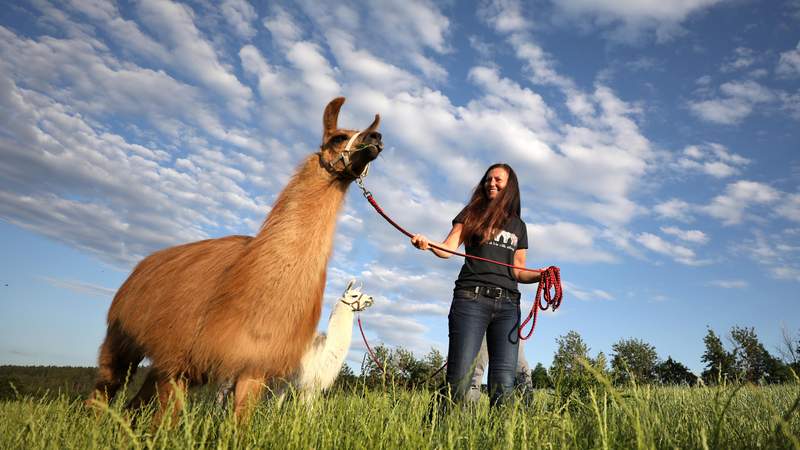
254	284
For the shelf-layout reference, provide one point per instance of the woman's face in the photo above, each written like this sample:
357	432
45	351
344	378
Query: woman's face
495	182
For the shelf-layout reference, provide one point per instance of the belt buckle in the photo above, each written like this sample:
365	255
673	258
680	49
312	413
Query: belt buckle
497	292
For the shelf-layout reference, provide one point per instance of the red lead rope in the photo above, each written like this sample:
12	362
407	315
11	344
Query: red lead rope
551	276
551	279
371	353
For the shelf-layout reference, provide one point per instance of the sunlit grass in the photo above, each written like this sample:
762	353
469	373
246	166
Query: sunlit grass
604	417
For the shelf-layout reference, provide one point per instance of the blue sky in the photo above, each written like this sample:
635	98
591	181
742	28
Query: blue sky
656	145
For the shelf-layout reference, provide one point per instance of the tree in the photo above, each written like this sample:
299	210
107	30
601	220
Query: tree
719	362
568	372
600	363
673	372
571	349
434	361
752	361
373	373
539	378
410	371
790	353
346	378
634	359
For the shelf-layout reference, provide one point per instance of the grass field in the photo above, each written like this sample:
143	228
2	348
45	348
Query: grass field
742	416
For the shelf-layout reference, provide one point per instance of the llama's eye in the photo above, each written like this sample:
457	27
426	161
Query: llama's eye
338	139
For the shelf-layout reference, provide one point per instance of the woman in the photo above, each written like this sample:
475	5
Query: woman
485	297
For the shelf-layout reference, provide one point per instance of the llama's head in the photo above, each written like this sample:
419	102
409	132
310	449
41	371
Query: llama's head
346	153
354	298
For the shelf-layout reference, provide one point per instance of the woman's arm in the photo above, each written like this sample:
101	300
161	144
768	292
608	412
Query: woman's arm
451	242
524	276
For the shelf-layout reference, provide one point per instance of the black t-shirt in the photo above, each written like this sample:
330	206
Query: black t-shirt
474	272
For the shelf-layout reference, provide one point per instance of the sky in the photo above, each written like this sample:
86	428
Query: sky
656	145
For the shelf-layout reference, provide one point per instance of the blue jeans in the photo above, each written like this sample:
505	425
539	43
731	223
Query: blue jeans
472	315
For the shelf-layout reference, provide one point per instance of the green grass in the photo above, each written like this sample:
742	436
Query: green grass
639	417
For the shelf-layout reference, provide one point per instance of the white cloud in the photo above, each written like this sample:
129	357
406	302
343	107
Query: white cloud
191	54
791	104
563	241
636	9
738	101
712	159
580	293
743	58
240	15
81	287
678	253
789	63
95	83
603	152
505	16
55	162
505	96
789	207
729	284
726	111
397	331
693	236
749	90
539	63
777	252
731	206
628	20
125	32
674	209
408	31
368	68
786	273
411	24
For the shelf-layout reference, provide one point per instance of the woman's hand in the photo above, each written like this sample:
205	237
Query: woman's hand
451	243
420	241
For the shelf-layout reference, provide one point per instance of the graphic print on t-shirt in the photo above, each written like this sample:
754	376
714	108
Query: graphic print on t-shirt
505	239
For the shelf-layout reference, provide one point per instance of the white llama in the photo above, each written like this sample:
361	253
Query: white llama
325	355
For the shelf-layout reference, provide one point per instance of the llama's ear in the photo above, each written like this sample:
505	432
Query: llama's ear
331	115
374	125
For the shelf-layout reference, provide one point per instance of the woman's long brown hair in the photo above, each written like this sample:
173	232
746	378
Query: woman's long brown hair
484	218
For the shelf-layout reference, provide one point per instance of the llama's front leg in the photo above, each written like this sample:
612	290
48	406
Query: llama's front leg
171	397
247	394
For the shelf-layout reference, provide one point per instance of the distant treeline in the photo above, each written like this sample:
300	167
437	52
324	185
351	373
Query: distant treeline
744	359
38	381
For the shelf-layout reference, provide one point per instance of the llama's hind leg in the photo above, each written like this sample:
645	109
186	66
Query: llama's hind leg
147	392
119	358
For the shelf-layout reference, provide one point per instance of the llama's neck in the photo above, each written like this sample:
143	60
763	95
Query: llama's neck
340	329
286	262
303	218
322	362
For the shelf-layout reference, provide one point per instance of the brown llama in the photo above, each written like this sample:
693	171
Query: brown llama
238	307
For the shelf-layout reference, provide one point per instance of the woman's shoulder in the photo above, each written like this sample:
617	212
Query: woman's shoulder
516	224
